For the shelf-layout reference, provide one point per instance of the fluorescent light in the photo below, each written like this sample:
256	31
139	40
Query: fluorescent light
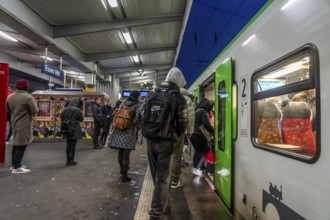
6	36
136	59
288	69
127	37
287	4
248	40
135	74
48	58
104	4
113	3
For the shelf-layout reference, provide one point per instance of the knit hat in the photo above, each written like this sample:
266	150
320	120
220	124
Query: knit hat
135	94
22	84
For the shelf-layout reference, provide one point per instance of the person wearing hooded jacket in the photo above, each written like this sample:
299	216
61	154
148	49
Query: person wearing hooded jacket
198	139
125	140
178	149
160	152
20	108
73	112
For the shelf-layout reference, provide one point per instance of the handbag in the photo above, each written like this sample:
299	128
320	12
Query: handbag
207	134
209	157
109	137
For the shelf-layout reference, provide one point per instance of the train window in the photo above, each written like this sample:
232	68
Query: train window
285	112
222	95
295	71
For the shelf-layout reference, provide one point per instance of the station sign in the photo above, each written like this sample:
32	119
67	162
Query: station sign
52	71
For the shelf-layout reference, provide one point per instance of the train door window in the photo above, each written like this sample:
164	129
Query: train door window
285	105
222	95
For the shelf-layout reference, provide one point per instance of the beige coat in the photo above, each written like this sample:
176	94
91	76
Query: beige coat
21	107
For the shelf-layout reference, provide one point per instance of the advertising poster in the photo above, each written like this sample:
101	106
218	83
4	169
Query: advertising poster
88	114
44	109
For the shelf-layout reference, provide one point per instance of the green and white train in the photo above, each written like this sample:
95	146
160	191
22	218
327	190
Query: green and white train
272	160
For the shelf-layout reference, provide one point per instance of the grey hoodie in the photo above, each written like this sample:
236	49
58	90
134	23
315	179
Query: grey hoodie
175	75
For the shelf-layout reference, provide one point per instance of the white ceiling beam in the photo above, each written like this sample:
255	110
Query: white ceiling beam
149	78
86	28
124	75
24	50
125	69
183	28
124	53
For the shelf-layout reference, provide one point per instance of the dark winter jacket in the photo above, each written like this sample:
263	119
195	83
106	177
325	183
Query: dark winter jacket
107	112
202	117
76	116
179	108
97	115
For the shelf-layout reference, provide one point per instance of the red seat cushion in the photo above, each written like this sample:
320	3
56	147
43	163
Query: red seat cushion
298	131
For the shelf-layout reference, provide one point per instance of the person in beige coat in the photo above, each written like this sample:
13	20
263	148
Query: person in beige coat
20	109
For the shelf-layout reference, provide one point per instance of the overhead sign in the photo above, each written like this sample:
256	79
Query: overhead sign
52	71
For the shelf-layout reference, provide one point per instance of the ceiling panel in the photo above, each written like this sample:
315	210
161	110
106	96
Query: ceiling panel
59	12
144	8
158	35
116	62
157	58
99	42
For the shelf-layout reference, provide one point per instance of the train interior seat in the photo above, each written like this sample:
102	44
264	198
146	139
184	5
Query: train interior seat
268	123
297	127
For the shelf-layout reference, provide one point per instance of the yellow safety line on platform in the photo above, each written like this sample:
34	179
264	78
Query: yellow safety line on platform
145	198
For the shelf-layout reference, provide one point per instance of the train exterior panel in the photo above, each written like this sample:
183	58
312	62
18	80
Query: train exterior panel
276	184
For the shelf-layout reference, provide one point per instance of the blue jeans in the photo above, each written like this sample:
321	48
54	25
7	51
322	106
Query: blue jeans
9	132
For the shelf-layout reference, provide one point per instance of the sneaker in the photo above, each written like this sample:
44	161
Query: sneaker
20	171
175	185
196	172
12	167
98	147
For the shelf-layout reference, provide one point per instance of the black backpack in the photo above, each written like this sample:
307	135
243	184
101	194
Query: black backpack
68	126
157	115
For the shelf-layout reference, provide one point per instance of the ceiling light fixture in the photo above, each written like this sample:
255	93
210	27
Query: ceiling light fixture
136	59
104	4
293	67
127	37
6	36
287	4
113	3
48	58
248	40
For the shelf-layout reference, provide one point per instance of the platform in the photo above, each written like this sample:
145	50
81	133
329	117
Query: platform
93	190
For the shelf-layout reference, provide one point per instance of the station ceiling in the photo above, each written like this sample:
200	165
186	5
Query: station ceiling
136	40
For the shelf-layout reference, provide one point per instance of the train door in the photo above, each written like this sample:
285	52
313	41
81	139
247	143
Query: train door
197	95
225	131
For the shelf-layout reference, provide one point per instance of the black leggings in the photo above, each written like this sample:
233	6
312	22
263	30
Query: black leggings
123	159
200	145
70	149
17	154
